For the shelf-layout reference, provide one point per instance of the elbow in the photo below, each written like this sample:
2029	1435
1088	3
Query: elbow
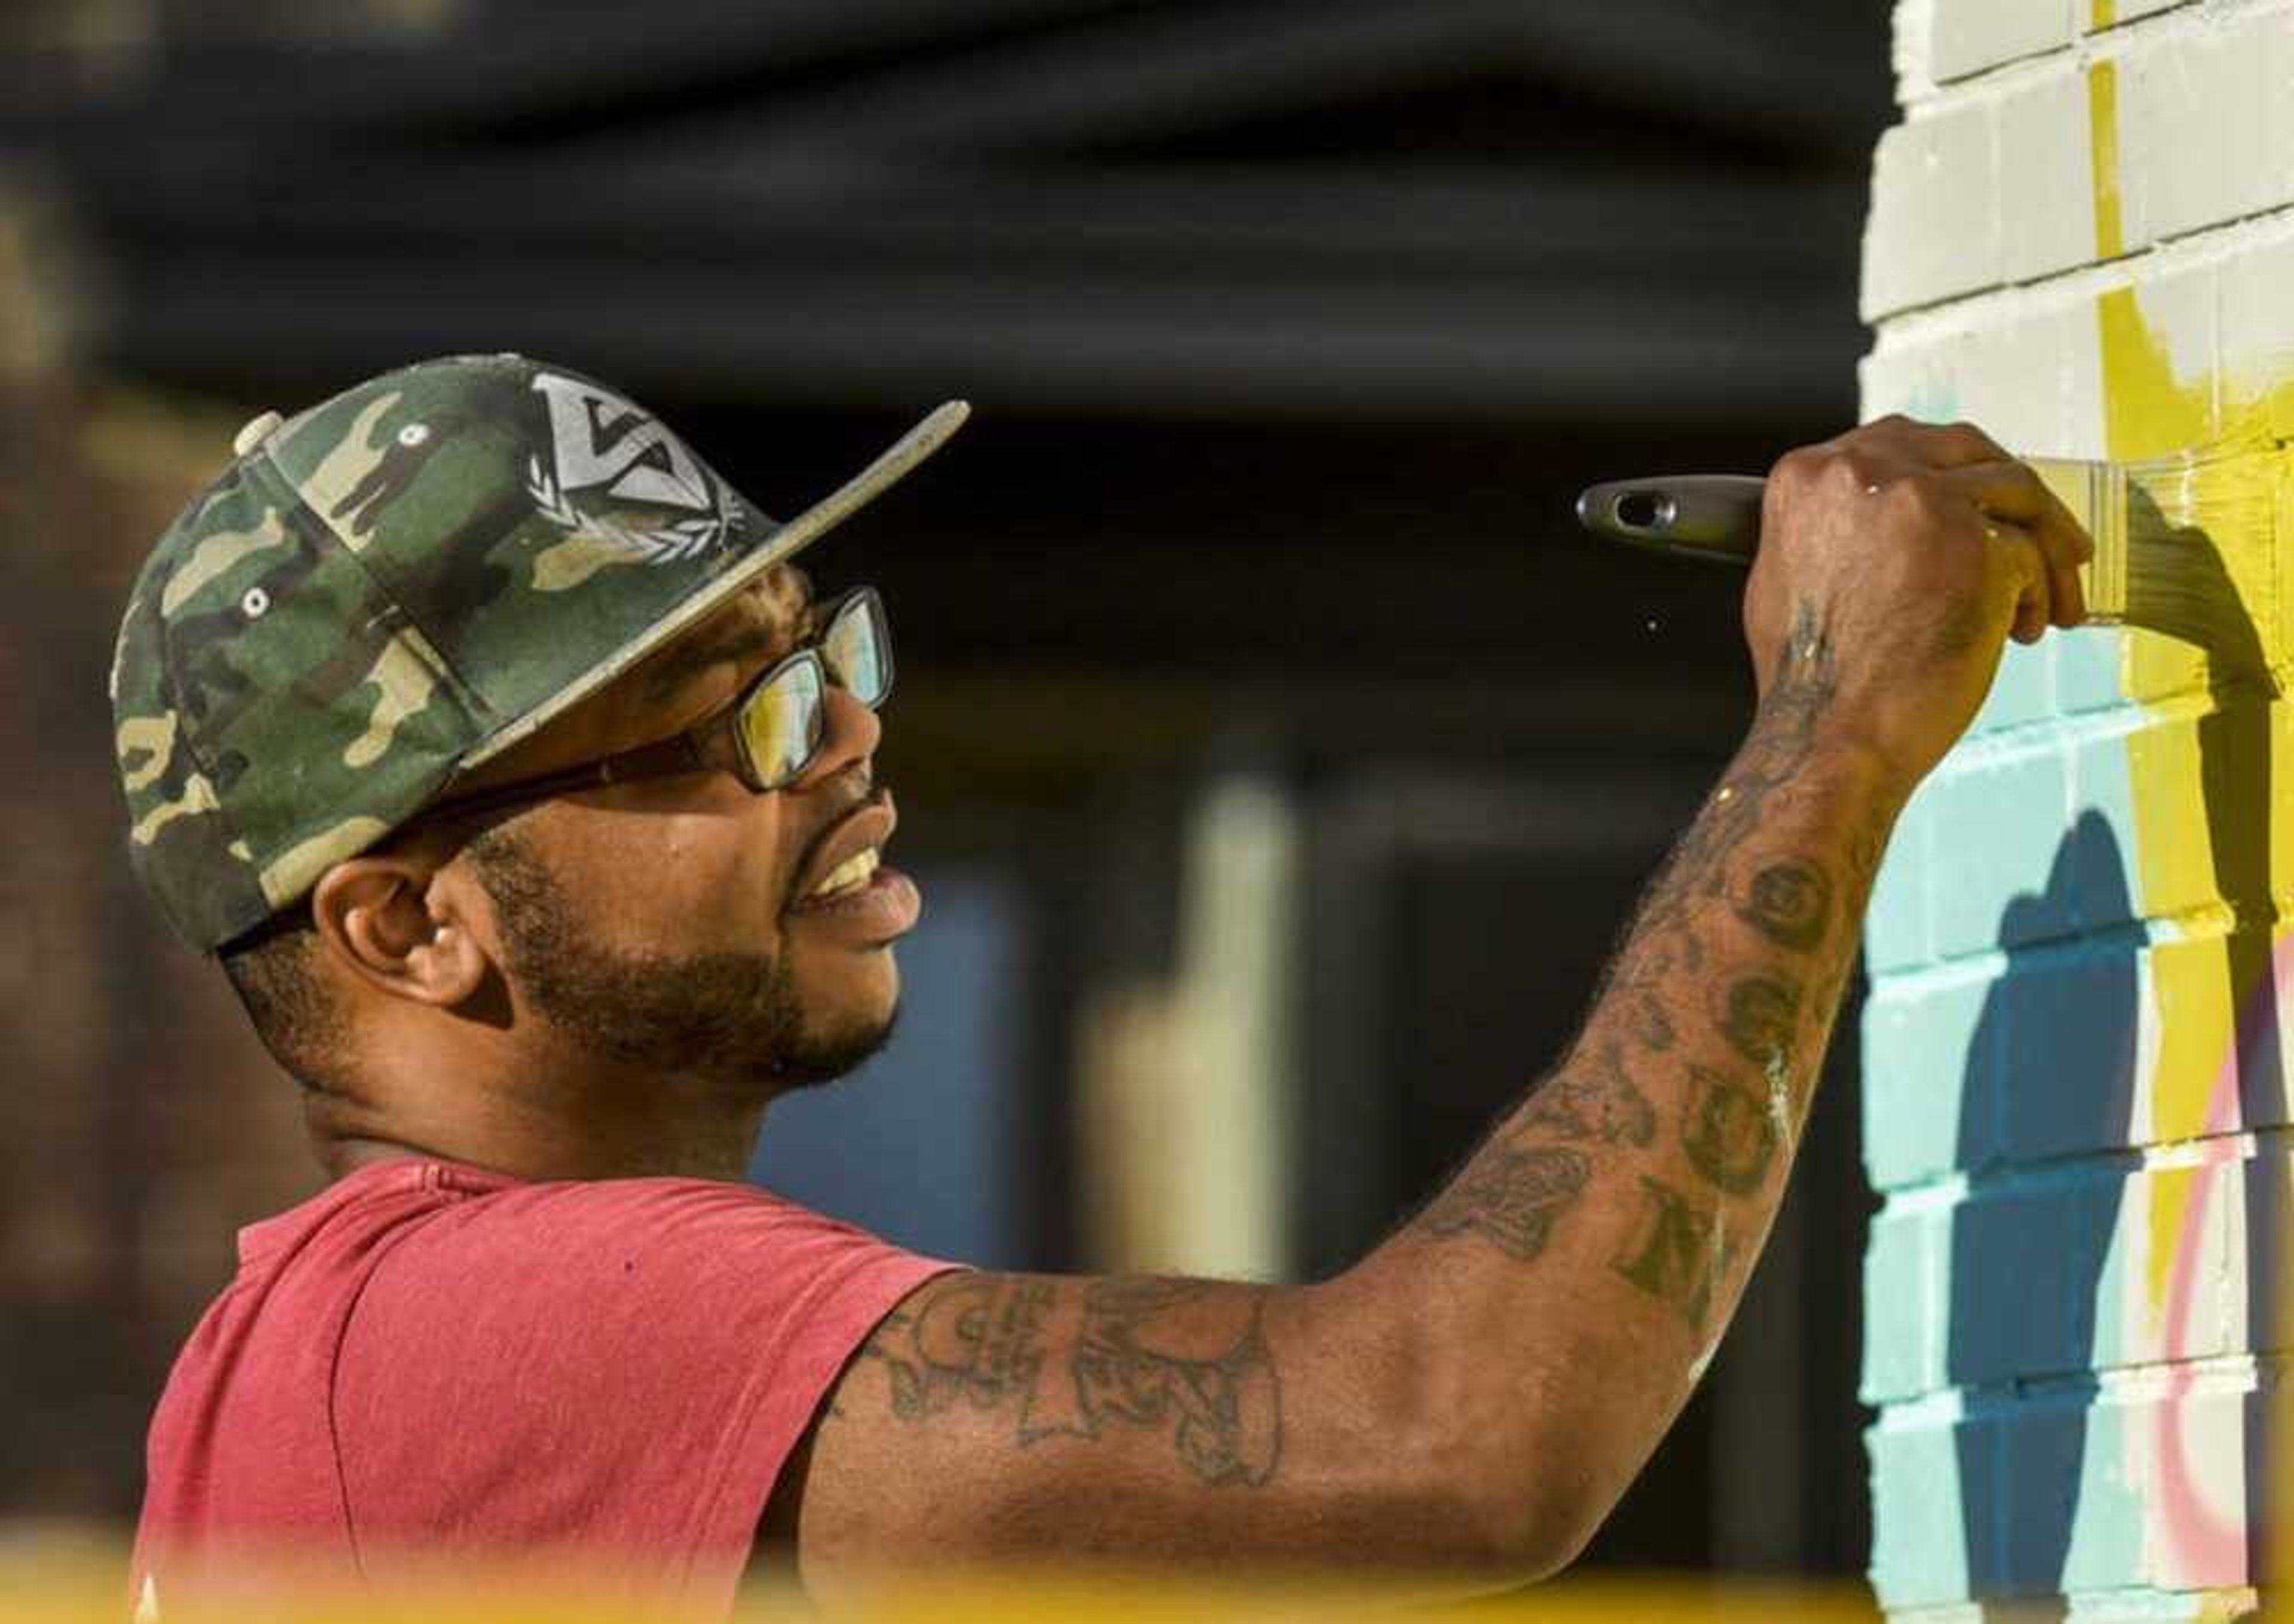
1499	1506
1534	1510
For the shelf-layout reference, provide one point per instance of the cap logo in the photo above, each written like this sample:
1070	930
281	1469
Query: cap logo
601	442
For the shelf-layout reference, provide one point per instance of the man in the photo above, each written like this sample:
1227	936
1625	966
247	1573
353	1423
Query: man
527	797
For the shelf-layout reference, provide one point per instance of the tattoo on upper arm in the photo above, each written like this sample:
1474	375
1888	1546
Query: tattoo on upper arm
1592	1098
1677	1252
1789	902
1079	1357
1732	1131
1511	1196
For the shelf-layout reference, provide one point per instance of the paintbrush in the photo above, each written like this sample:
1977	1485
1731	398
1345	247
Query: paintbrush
2183	545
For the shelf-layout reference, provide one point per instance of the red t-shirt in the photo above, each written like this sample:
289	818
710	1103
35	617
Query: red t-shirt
431	1359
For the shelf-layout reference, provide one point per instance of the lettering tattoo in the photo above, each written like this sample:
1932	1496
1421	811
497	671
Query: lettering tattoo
1677	1252
1073	1361
1760	1015
1592	1099
1731	1133
1790	904
1511	1196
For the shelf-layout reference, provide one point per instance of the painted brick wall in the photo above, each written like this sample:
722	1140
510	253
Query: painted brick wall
2082	238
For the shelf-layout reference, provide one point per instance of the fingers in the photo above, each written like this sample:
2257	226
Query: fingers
1937	446
2011	492
2023	560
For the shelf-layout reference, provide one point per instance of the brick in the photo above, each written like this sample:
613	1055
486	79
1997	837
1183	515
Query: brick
2088	675
1927	1046
2022	689
2047	177
1934	232
1967	36
1896	920
1919	1519
2205	124
2070	1032
2257	337
1903	1355
2002	817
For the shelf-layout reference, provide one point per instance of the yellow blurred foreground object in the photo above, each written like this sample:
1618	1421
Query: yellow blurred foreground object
74	1580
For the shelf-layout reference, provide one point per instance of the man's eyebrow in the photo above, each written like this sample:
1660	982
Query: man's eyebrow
731	643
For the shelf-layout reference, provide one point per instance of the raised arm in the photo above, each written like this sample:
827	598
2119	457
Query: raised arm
1472	1398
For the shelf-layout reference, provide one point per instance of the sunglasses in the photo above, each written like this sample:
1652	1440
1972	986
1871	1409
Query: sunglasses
766	737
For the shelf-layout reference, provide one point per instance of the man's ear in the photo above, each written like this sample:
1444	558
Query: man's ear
398	928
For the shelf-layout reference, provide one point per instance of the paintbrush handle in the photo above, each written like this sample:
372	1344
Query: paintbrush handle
1718	516
1691	515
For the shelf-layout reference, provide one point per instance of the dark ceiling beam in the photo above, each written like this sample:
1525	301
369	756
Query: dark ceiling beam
488	67
876	332
1160	73
1428	220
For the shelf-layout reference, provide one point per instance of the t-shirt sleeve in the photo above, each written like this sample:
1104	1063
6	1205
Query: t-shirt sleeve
619	1369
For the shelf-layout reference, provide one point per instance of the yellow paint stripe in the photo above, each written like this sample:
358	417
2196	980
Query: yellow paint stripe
2103	146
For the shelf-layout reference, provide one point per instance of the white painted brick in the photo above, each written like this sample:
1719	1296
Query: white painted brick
1934	232
2256	340
1970	36
2258	114
2171	123
1912	50
2046	178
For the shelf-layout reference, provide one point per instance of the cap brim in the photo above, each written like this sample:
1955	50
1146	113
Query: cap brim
782	543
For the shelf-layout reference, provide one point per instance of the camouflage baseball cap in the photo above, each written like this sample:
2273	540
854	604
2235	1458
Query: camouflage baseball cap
395	587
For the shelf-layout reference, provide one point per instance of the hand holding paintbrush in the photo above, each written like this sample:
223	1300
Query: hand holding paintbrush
2159	532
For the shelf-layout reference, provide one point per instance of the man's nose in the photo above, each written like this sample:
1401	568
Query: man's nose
849	733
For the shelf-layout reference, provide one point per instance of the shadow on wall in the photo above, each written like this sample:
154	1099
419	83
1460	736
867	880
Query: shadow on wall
2037	1303
2052	1064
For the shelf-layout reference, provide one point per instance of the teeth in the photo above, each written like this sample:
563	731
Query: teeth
853	872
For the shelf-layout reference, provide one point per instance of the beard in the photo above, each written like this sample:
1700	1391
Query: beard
732	1018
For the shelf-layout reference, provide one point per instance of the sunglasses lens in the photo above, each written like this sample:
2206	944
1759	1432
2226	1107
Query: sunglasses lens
782	722
858	646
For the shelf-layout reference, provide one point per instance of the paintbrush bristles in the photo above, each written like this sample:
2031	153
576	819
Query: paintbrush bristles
2184	545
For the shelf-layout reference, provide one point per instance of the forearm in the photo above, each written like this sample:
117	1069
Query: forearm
1584	1263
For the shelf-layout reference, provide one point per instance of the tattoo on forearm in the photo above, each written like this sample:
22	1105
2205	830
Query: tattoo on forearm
1789	902
1677	1252
1512	1195
1760	1015
1592	1098
1732	1131
1147	1352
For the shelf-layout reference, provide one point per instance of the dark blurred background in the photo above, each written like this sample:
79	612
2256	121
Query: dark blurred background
1277	762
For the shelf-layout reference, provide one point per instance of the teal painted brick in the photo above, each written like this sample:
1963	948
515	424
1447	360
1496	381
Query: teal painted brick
1927	1045
1896	931
2002	816
2106	885
1919	1536
2010	1284
2024	689
2089	664
1919	1542
2069	1022
1902	1354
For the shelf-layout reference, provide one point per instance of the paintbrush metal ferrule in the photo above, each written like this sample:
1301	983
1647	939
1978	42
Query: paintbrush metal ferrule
2095	493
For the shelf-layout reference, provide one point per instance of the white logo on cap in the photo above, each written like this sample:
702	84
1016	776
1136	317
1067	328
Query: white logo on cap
600	441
